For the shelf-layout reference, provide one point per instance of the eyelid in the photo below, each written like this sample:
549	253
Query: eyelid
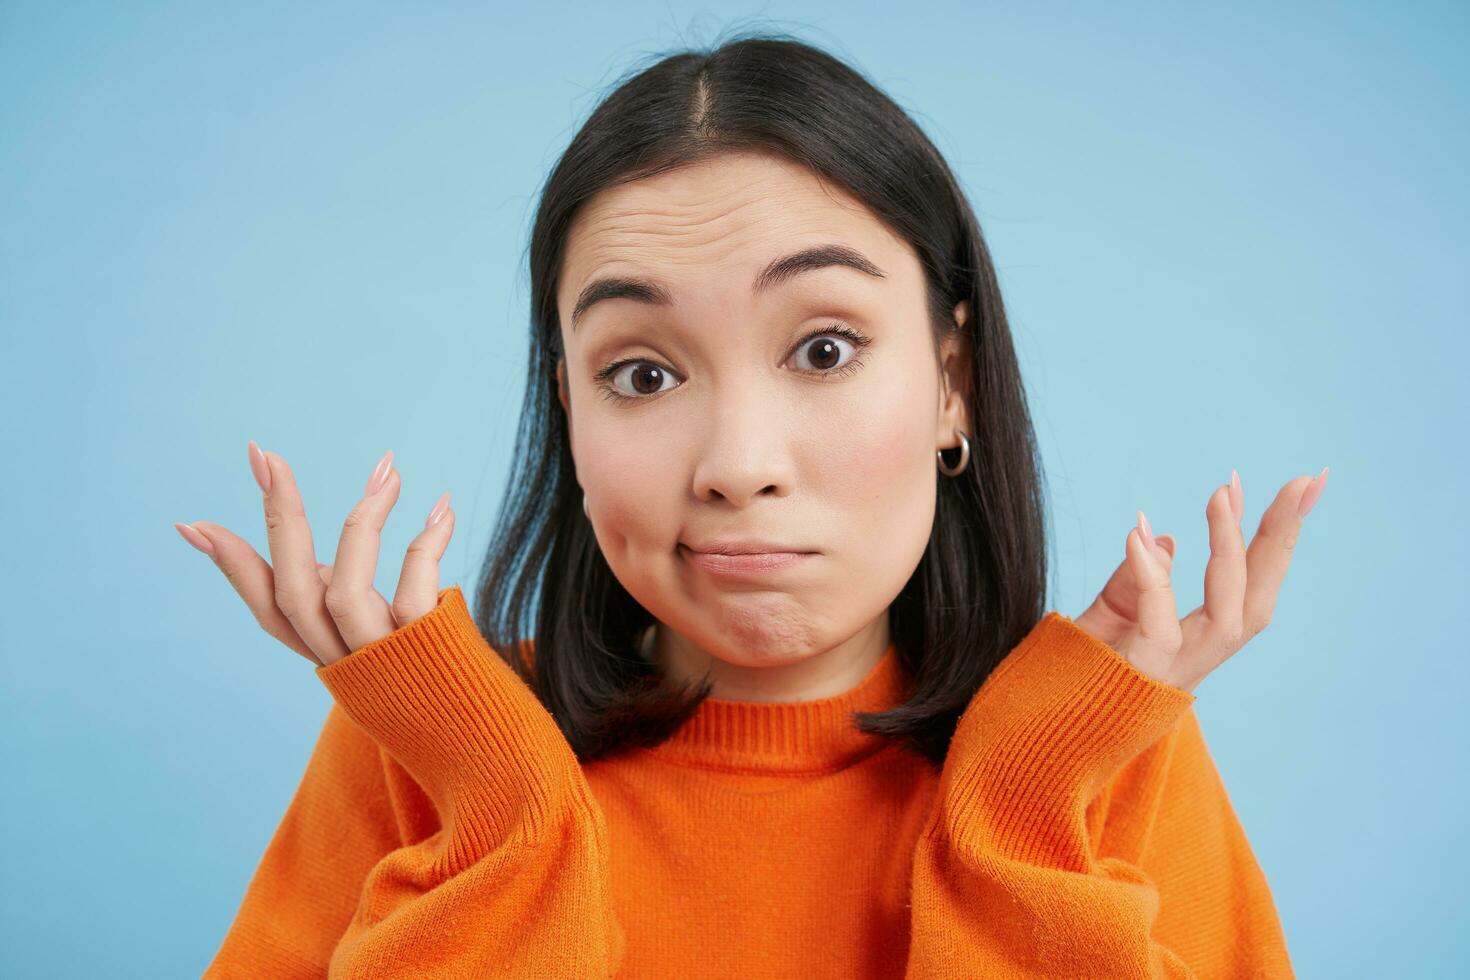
835	328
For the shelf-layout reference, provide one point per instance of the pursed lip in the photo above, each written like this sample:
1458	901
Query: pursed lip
746	546
746	564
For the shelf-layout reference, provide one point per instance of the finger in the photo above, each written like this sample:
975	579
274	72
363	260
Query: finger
1157	622
361	614
1157	639
1271	550
252	578
325	572
418	582
300	594
1225	577
1115	609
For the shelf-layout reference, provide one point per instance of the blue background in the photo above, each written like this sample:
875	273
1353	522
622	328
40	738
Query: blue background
1232	236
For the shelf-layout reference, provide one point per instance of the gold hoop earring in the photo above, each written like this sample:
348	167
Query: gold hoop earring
964	457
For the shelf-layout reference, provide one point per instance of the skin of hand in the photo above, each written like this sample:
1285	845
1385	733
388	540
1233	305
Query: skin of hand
1136	614
324	612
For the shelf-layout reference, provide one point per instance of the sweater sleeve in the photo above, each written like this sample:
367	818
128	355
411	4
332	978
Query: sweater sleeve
341	821
514	879
1081	830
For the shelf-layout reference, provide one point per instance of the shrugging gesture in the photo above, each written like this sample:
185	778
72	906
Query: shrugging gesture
1081	827
324	612
1136	615
457	806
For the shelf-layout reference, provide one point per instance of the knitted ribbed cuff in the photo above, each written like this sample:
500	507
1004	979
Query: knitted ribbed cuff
1060	716
442	702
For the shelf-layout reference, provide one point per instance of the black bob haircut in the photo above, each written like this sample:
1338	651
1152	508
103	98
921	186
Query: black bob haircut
980	585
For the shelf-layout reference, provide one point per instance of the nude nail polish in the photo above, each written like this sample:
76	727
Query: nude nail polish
1314	490
1237	497
194	538
260	467
380	474
1146	531
440	509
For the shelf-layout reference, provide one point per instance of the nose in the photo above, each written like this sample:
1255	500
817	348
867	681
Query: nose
746	451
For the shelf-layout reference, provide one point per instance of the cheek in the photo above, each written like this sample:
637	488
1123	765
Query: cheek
631	497
882	454
882	479
890	459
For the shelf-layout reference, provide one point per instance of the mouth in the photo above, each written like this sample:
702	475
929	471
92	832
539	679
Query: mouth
745	563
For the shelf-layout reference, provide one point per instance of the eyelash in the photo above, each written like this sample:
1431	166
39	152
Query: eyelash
860	342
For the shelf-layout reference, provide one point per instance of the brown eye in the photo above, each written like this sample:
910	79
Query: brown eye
823	349
825	352
645	377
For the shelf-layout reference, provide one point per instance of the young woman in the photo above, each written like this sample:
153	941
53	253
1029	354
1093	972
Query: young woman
761	680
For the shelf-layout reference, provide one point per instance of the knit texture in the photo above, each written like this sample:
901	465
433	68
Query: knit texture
444	828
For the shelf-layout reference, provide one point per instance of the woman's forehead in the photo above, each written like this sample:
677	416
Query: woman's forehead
714	198
728	216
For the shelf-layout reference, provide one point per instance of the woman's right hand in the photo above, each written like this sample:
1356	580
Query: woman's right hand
324	612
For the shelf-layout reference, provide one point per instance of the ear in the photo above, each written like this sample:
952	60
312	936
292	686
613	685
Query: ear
561	394
954	383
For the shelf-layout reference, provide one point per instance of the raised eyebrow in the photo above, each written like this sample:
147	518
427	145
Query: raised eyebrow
779	271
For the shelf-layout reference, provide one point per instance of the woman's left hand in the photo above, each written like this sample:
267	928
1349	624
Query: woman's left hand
1136	615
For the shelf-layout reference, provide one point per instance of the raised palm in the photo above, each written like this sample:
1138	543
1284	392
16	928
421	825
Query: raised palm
1135	613
324	612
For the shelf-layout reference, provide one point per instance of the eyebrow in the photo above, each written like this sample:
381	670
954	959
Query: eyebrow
782	270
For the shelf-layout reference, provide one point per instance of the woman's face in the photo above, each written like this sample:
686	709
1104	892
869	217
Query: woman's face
714	403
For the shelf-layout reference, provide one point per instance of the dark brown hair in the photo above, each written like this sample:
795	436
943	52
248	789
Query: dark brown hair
980	586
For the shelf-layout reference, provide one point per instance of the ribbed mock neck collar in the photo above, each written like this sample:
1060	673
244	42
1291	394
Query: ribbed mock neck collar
788	736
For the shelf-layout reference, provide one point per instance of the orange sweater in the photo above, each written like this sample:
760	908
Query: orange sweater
445	828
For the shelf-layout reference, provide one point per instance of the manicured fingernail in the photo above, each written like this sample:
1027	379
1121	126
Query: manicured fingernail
1148	535
1237	497
1314	490
195	538
380	474
260	468
440	509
